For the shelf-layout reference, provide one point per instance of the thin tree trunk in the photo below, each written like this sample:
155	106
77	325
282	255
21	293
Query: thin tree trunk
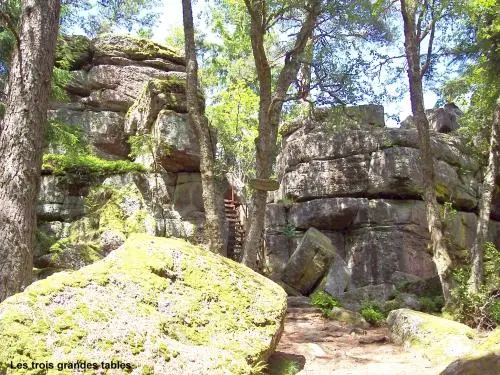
22	140
270	107
213	222
488	187
440	253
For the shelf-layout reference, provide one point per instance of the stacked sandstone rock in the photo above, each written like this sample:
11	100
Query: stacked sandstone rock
123	87
360	184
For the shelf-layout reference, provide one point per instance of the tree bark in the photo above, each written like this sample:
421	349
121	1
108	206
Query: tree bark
270	107
213	222
22	139
488	187
438	244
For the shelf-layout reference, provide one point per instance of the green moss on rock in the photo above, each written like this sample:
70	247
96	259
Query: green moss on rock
134	48
163	305
440	339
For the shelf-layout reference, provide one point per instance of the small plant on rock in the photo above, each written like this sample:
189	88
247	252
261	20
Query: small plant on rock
289	231
372	312
324	301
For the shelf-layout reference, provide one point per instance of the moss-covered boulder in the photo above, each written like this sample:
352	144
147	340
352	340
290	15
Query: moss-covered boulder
485	360
441	340
156	305
140	49
112	213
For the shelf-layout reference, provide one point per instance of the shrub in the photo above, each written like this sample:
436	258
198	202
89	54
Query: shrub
432	304
324	301
289	230
372	313
78	165
482	309
284	367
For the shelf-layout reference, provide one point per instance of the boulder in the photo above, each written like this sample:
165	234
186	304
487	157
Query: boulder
391	172
115	88
277	253
309	261
155	96
373	254
299	301
479	364
351	117
408	300
156	305
103	130
58	200
338	278
354	298
327	178
347	316
440	339
443	120
136	49
327	213
111	240
485	360
311	145
182	150
155	114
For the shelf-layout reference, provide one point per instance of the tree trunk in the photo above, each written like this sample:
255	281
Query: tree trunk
213	222
270	107
22	139
477	251
440	253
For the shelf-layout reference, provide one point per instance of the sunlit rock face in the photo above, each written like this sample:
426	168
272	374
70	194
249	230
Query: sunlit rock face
360	184
123	93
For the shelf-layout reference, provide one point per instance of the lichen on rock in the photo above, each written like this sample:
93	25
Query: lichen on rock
440	339
162	305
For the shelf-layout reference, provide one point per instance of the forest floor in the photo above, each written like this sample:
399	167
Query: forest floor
319	346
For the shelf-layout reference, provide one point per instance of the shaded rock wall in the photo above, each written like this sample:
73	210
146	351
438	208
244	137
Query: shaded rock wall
361	186
123	87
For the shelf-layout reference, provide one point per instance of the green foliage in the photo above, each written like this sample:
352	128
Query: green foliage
77	162
324	301
432	304
147	144
480	309
283	366
290	231
448	212
70	50
97	17
66	137
372	312
150	145
477	87
86	166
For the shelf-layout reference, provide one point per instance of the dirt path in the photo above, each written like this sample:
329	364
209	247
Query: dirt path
320	346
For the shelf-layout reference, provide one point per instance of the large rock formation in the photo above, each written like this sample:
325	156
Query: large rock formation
123	91
360	184
156	305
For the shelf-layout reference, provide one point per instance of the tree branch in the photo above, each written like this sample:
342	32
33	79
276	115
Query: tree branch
432	25
6	20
